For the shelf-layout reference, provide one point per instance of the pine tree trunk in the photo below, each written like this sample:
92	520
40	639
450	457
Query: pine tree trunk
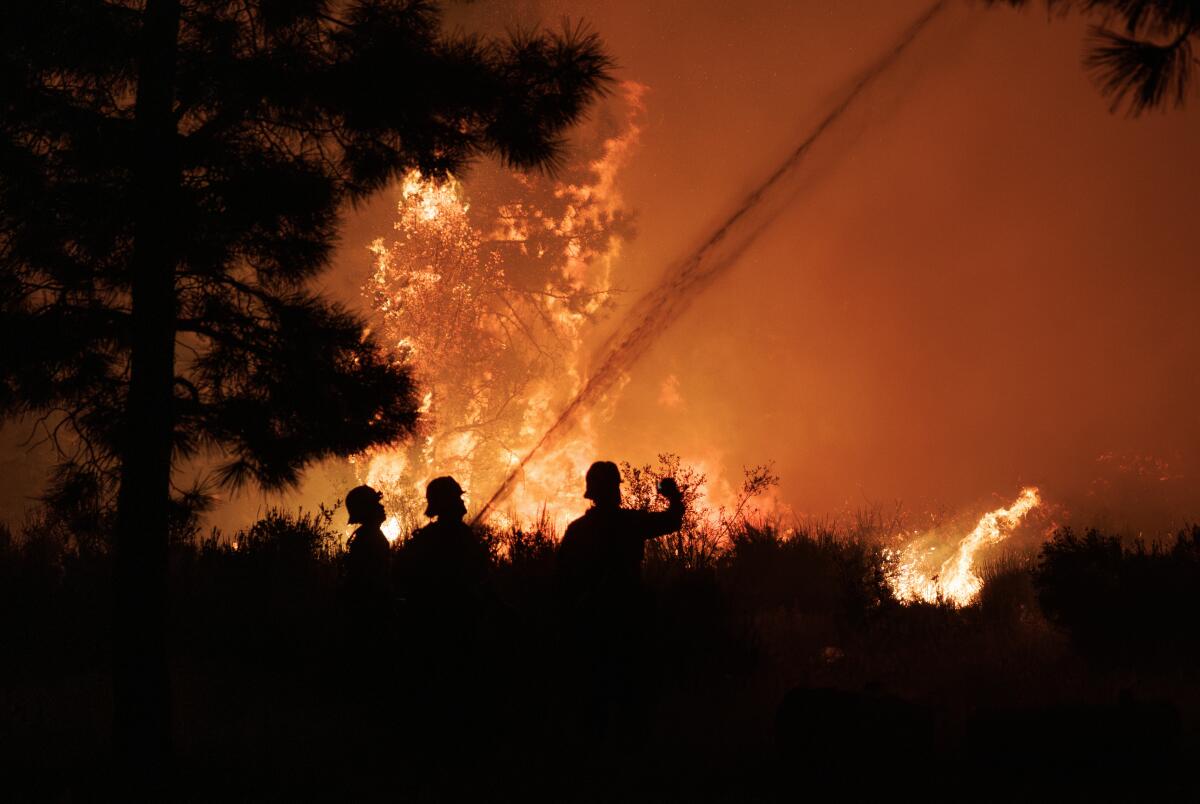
141	689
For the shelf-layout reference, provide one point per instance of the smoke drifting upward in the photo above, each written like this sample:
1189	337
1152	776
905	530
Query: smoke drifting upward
658	309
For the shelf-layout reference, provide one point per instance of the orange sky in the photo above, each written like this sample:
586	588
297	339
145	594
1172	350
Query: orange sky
985	280
989	280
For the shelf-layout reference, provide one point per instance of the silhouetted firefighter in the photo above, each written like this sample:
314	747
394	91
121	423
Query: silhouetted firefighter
442	574
369	558
599	566
371	621
443	567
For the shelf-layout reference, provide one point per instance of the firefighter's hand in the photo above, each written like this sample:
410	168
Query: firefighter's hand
668	488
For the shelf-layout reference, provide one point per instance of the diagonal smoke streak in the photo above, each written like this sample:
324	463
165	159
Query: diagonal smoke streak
662	306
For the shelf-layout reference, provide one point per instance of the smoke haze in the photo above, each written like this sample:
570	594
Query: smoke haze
991	287
987	281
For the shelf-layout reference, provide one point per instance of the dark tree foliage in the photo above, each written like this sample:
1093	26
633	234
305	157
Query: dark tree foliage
282	113
1141	53
174	175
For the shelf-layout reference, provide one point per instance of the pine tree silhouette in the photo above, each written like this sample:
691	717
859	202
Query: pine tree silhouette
174	175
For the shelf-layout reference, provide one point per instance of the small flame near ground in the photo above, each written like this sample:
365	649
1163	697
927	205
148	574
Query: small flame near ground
955	581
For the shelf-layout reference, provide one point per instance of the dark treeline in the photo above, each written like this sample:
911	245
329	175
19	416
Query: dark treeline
775	666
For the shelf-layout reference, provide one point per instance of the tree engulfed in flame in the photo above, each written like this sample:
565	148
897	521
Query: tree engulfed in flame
955	580
487	298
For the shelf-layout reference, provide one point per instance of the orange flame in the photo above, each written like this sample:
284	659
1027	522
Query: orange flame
955	580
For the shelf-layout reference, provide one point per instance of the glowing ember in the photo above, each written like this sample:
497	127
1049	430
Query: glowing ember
955	581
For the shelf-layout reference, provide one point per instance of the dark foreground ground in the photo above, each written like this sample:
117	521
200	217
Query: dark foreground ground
772	670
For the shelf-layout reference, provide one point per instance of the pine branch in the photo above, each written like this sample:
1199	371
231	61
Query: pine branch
1140	74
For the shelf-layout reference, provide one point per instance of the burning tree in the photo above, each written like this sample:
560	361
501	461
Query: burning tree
487	296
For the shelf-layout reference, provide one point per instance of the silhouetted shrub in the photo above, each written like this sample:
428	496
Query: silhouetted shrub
523	569
1126	604
812	572
269	681
270	593
1008	599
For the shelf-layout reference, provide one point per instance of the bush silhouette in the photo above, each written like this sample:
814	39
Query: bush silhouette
781	661
1131	605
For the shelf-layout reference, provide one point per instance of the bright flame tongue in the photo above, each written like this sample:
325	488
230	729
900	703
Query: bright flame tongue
955	581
